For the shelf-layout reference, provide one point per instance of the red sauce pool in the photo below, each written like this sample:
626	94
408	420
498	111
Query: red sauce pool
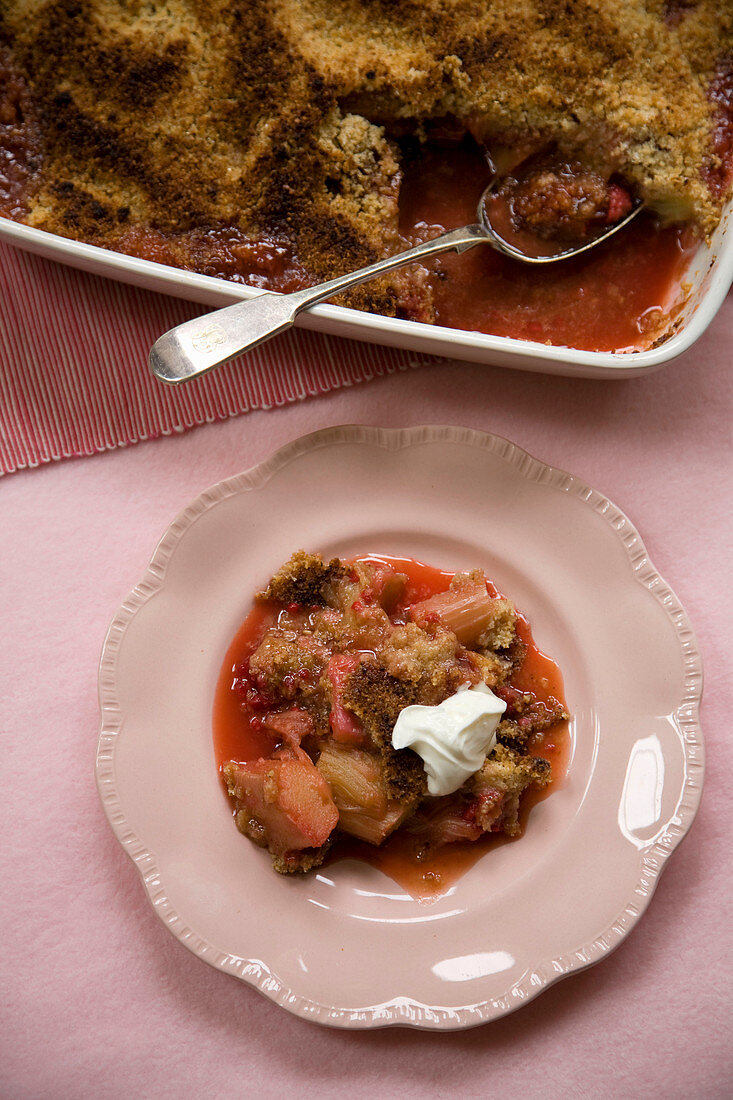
235	739
616	298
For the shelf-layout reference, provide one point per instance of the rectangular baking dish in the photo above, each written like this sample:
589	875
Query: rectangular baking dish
709	277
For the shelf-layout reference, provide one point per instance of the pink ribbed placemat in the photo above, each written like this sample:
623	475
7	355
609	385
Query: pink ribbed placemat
74	378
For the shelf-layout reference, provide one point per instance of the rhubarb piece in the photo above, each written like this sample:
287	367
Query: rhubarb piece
345	726
290	725
467	609
385	585
284	805
444	821
360	792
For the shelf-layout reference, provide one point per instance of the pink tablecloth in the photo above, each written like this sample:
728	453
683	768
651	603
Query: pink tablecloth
74	377
98	1000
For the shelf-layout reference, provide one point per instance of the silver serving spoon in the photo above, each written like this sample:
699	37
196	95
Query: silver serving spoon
189	350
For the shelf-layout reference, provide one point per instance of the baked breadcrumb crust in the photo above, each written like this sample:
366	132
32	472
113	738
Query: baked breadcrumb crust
278	119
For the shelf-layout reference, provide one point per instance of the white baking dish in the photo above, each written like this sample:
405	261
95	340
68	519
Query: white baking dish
710	276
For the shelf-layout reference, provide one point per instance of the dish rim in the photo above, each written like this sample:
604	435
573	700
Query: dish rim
391	331
404	1010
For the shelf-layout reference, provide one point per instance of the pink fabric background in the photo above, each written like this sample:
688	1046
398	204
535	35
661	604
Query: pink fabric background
98	1000
74	377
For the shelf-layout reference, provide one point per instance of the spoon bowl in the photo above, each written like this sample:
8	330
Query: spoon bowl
495	218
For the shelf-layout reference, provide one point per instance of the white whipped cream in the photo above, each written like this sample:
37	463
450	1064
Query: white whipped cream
452	738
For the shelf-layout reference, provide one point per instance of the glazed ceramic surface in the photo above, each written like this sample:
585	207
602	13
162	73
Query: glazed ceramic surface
346	946
709	277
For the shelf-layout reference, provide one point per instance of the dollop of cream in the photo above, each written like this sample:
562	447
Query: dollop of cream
452	738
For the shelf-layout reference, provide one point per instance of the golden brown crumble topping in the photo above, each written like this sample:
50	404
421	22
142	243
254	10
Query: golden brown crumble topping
279	120
304	579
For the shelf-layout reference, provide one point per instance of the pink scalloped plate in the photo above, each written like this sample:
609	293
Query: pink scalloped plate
346	946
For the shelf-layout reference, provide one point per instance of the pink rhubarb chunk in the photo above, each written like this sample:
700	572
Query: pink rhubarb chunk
290	799
290	725
345	726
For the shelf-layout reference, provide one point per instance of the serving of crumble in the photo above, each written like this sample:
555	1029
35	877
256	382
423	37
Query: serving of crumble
335	655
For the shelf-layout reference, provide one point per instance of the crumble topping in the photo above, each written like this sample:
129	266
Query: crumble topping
192	132
304	579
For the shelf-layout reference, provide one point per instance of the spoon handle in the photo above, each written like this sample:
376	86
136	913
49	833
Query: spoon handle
196	346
